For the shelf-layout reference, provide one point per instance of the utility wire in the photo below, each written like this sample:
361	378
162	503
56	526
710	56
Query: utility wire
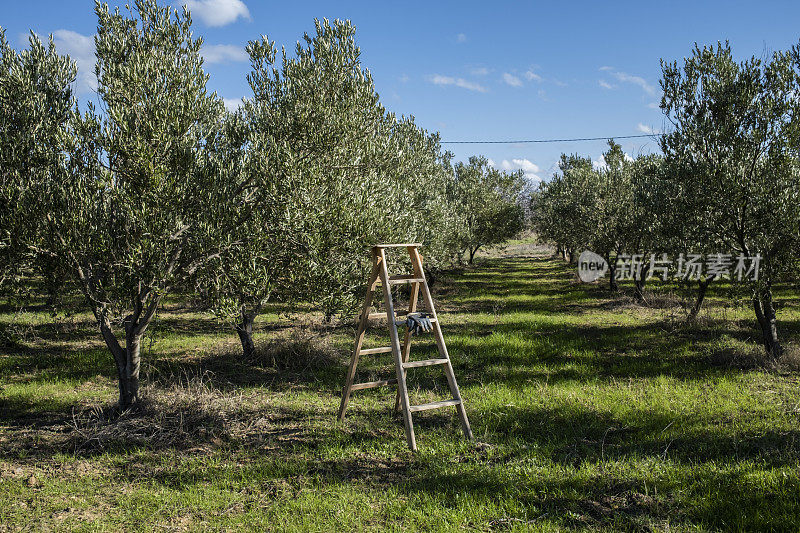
529	141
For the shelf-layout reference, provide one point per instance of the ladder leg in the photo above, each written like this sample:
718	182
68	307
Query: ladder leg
437	330
398	357
362	327
412	307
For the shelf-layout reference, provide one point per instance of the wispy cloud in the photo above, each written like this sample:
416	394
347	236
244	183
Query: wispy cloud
81	49
636	80
221	53
479	71
461	38
624	77
653	105
647	129
512	80
438	79
532	76
217	12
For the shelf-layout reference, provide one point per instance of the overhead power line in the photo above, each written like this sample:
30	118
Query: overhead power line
529	141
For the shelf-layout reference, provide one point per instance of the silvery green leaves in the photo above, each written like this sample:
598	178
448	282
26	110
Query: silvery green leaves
129	215
35	107
489	204
331	172
735	150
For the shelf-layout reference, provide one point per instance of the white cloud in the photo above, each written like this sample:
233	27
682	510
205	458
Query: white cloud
217	12
438	79
653	105
532	76
624	77
479	71
605	85
461	38
512	80
600	162
529	169
647	129
81	49
232	104
221	53
636	80
404	78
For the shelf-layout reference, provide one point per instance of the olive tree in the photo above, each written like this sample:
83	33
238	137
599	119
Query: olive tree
331	171
561	209
734	138
613	203
35	106
490	203
130	216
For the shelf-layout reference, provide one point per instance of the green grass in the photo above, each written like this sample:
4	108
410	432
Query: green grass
591	412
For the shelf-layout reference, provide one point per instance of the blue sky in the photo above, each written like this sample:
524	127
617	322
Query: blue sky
474	70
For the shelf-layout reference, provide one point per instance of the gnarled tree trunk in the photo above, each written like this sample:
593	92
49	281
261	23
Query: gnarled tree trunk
702	288
472	252
639	283
765	314
245	331
127	358
612	274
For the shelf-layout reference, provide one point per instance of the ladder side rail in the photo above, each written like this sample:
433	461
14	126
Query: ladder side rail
416	259
401	378
362	328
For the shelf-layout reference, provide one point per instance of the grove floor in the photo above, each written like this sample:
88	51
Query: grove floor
590	411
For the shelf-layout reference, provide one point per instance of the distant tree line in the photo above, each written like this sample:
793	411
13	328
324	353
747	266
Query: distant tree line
727	181
160	188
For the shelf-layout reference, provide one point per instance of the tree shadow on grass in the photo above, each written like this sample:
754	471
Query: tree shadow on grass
708	497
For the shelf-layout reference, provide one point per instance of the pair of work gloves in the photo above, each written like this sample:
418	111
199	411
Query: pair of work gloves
418	323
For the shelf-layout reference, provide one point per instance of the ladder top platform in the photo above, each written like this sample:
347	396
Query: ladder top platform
404	245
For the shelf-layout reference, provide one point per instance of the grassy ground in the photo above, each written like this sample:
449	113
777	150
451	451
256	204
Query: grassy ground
590	411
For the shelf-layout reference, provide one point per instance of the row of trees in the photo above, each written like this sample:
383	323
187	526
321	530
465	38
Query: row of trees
728	180
161	189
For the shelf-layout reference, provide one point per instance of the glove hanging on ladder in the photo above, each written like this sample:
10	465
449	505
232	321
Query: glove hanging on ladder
418	323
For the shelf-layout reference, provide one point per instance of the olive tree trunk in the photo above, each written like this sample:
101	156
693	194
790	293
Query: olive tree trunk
472	252
612	274
245	331
765	315
702	289
127	358
639	282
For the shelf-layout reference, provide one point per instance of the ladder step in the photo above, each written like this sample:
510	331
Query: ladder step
432	405
373	316
394	280
403	245
373	384
424	362
382	349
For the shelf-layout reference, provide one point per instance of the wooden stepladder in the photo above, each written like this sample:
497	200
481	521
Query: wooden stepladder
401	353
